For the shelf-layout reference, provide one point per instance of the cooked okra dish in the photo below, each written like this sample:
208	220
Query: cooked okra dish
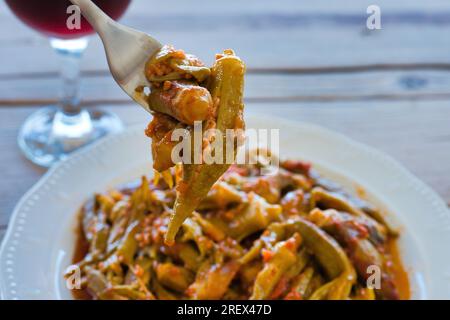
291	235
185	91
223	230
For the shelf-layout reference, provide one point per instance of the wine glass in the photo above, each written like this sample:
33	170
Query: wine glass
50	134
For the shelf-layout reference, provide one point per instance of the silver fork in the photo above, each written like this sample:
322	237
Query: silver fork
127	50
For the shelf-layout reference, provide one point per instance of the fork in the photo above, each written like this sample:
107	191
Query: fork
127	50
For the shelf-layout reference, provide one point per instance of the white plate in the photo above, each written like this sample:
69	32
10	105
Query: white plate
40	239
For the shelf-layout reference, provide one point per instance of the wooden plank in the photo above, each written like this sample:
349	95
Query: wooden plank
409	84
268	6
264	33
415	133
264	6
2	234
18	175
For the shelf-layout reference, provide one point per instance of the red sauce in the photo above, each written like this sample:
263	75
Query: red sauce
81	249
397	271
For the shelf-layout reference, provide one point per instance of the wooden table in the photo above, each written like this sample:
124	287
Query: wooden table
313	61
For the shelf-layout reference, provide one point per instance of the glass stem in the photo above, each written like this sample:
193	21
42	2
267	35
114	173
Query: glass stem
70	52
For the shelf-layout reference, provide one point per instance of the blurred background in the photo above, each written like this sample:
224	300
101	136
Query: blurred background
314	61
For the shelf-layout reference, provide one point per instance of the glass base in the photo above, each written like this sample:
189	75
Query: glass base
49	135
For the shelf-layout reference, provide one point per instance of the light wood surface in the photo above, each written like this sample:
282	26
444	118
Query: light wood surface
310	61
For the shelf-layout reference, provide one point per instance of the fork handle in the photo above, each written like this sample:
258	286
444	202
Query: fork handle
94	15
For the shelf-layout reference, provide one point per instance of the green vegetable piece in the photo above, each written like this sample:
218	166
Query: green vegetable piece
174	277
128	246
284	257
227	87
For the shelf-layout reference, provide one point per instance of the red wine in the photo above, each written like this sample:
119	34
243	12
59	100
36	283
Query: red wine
50	16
